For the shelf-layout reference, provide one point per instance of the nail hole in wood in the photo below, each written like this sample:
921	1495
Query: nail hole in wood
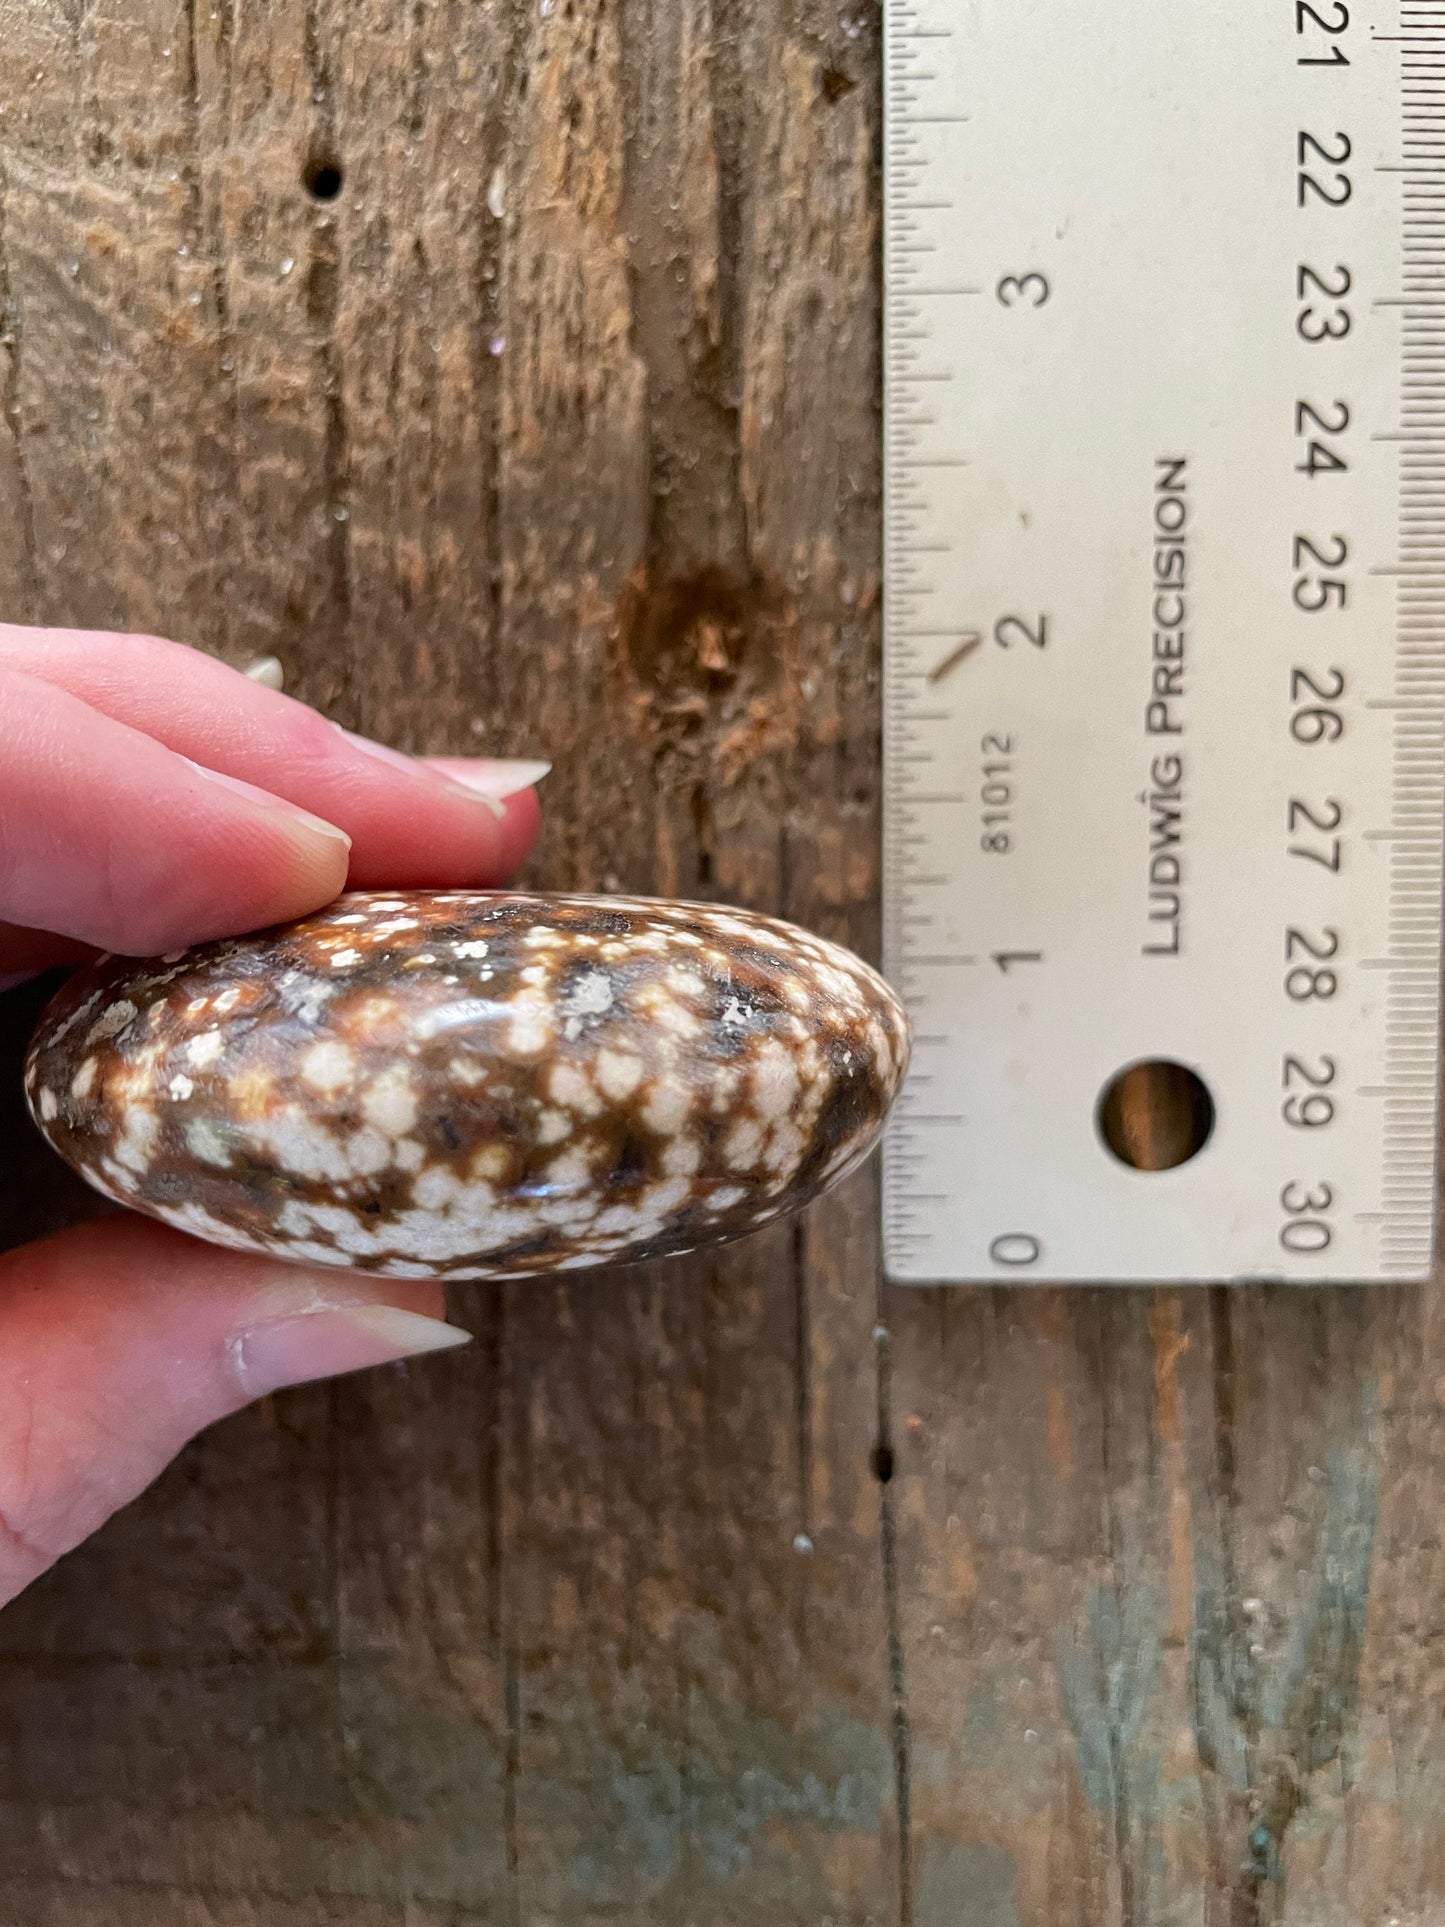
323	177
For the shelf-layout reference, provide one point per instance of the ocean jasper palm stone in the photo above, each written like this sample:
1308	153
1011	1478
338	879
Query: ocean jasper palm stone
473	1086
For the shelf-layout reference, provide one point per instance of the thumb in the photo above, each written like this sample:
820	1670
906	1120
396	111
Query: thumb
120	1340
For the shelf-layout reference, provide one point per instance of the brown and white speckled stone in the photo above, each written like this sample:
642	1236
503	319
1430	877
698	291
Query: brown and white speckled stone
473	1086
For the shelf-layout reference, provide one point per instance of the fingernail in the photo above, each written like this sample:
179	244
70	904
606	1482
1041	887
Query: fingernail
269	671
334	1339
498	780
415	767
383	752
276	804
492	781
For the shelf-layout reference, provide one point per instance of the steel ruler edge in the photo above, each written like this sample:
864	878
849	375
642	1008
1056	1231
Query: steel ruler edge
1164	592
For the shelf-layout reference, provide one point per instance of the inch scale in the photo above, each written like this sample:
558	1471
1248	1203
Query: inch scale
1165	636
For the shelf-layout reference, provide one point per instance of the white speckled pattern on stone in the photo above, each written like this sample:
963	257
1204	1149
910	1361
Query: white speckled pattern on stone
474	1085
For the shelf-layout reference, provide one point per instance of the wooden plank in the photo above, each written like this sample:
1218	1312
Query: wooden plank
589	1621
1156	1551
714	1741
731	1589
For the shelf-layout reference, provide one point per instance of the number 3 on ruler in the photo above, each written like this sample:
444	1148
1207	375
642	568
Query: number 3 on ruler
1032	288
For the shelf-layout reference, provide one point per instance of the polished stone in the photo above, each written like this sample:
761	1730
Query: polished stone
474	1085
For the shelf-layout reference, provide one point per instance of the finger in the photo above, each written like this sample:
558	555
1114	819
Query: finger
109	838
24	953
119	1341
410	823
513	784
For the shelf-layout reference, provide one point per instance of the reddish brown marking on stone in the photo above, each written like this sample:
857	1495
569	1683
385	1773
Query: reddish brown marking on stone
474	1086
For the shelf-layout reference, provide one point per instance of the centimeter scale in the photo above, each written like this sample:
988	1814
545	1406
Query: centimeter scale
1165	636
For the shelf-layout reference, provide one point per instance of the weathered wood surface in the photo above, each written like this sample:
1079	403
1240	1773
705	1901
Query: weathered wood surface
557	431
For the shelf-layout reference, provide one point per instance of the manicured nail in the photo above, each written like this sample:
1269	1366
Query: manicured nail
334	1339
276	804
415	767
269	671
493	782
384	753
497	779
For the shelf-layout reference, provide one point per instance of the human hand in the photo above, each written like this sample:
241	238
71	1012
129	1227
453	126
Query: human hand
151	798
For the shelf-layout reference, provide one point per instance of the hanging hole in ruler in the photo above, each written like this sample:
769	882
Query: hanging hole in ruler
1156	1115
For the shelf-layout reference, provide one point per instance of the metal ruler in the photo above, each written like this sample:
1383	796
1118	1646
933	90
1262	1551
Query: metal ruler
1165	636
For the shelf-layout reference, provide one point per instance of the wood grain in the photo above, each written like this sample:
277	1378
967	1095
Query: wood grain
737	1589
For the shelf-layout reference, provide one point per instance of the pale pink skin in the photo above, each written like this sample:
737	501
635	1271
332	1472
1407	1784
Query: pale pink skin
119	1341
